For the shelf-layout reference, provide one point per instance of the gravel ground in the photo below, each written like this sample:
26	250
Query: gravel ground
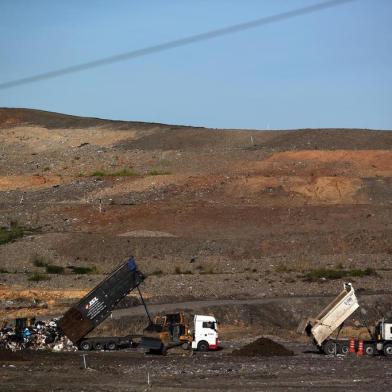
219	371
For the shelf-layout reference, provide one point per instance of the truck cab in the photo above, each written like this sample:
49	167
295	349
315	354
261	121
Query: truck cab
382	338
205	333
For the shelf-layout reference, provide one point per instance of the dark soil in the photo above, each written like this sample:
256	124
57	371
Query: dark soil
9	356
263	347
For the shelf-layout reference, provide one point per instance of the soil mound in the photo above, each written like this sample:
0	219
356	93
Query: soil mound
263	347
10	356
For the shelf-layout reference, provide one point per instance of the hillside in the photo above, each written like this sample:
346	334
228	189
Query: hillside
208	213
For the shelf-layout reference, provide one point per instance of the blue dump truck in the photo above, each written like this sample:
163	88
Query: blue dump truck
97	305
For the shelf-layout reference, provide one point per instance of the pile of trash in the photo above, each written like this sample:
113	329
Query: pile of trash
39	335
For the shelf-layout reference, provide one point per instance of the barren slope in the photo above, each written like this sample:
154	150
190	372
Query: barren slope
208	213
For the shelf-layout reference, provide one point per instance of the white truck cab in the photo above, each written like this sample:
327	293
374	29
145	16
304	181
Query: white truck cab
205	333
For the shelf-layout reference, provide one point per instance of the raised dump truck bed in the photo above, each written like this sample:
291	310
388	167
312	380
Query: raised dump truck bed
97	305
330	319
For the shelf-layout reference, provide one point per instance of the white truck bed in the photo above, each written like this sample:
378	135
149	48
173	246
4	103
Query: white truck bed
333	315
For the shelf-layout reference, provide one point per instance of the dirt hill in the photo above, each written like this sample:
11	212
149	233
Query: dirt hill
208	213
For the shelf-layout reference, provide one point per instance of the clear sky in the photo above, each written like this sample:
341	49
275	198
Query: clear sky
328	69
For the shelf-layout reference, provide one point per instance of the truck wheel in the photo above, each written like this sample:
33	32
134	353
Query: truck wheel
85	346
369	350
388	350
185	346
329	347
343	348
111	346
98	346
202	346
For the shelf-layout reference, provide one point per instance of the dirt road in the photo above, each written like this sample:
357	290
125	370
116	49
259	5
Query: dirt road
178	371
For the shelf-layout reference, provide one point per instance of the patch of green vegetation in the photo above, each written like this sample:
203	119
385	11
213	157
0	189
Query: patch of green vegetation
99	173
120	173
3	271
38	277
39	261
332	274
12	233
83	270
47	168
54	269
156	172
124	173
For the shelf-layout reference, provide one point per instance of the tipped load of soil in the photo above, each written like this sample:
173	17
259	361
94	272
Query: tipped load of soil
263	347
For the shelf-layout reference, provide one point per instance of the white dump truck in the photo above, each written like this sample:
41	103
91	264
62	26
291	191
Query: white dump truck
332	317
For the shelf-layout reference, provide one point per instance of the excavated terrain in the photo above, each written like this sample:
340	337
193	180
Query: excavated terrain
260	228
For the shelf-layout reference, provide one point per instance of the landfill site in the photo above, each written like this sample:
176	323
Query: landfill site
142	256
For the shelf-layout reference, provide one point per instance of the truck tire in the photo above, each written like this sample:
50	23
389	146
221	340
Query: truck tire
369	349
202	346
185	346
330	347
343	348
98	346
85	346
388	350
111	346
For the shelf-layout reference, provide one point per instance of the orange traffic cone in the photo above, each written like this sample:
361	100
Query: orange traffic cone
351	347
360	348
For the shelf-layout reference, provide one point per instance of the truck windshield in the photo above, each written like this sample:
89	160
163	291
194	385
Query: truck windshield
209	324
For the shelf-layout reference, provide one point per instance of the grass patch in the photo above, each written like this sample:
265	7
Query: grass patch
39	261
83	270
120	173
124	173
38	277
155	172
12	233
99	173
54	269
332	274
3	271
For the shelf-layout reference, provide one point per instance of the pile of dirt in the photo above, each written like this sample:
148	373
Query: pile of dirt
9	356
263	347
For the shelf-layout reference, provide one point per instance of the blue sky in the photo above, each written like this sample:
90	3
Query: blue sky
328	69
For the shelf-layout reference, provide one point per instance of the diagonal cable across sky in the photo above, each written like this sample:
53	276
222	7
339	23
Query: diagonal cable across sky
129	55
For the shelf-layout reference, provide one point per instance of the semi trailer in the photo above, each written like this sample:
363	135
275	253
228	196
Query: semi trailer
162	333
97	305
331	319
